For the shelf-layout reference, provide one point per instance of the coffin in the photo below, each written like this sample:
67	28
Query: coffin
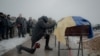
82	30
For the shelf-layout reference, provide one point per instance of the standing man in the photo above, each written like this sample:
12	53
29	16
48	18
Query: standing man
19	23
29	24
9	27
24	26
3	23
38	32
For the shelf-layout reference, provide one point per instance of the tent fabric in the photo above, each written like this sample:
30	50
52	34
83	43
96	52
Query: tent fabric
70	21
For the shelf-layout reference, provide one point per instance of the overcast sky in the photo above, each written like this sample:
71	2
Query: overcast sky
56	9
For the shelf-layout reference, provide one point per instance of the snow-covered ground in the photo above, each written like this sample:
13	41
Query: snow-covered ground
6	45
96	32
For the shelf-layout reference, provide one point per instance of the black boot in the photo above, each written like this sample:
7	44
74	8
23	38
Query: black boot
23	35
48	48
47	37
0	39
19	49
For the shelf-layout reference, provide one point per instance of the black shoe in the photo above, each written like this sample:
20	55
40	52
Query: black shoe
4	38
30	34
19	36
48	48
11	37
0	39
7	38
19	49
23	36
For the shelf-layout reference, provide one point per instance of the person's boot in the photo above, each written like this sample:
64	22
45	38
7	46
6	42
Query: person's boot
19	49
23	36
6	37
48	48
0	39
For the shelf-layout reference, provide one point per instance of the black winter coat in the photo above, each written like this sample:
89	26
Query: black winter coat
40	28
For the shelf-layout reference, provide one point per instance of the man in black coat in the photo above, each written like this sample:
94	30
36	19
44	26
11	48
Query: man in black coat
3	23
9	27
19	23
37	32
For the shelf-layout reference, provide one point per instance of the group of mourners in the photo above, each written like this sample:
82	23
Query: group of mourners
6	26
43	27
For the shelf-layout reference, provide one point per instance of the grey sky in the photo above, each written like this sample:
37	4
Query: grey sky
56	9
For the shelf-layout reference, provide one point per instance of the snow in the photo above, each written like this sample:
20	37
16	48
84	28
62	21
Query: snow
11	43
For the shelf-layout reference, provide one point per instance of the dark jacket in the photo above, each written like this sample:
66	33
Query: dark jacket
19	21
40	28
3	22
24	25
30	22
10	24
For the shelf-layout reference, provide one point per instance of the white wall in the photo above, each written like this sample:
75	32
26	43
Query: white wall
56	9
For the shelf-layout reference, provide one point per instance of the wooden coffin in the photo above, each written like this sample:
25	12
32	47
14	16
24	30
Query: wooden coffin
77	30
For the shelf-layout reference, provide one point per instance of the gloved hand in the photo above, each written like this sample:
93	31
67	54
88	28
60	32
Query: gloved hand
18	25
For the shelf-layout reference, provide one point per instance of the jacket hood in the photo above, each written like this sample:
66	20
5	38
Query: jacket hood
44	18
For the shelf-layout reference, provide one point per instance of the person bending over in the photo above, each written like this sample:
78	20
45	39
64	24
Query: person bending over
37	32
